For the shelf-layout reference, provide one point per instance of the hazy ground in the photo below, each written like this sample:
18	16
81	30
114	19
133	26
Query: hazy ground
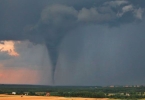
18	97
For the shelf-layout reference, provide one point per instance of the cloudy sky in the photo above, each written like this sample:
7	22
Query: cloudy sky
68	42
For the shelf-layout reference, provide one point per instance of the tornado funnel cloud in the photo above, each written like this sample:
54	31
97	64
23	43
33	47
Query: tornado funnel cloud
53	54
53	22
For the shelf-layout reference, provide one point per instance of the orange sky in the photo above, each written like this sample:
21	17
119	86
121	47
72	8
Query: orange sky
8	47
18	76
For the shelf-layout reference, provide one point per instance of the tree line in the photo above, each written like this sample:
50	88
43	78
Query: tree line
78	91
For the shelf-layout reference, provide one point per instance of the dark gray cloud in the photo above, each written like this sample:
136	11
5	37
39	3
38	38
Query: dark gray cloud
19	15
51	22
108	56
4	56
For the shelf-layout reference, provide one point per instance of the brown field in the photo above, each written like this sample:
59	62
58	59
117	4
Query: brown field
18	97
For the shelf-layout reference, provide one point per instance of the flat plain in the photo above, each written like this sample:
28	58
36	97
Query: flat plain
18	97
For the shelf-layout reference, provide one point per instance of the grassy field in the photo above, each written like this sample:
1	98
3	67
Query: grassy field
18	97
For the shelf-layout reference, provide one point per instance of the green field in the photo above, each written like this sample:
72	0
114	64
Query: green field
118	92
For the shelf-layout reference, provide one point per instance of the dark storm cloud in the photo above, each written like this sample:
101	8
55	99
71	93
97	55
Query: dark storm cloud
47	22
57	20
18	15
4	56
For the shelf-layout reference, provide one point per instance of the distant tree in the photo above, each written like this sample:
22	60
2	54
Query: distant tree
31	93
100	94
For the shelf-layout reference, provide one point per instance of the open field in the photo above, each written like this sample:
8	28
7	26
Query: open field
18	97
